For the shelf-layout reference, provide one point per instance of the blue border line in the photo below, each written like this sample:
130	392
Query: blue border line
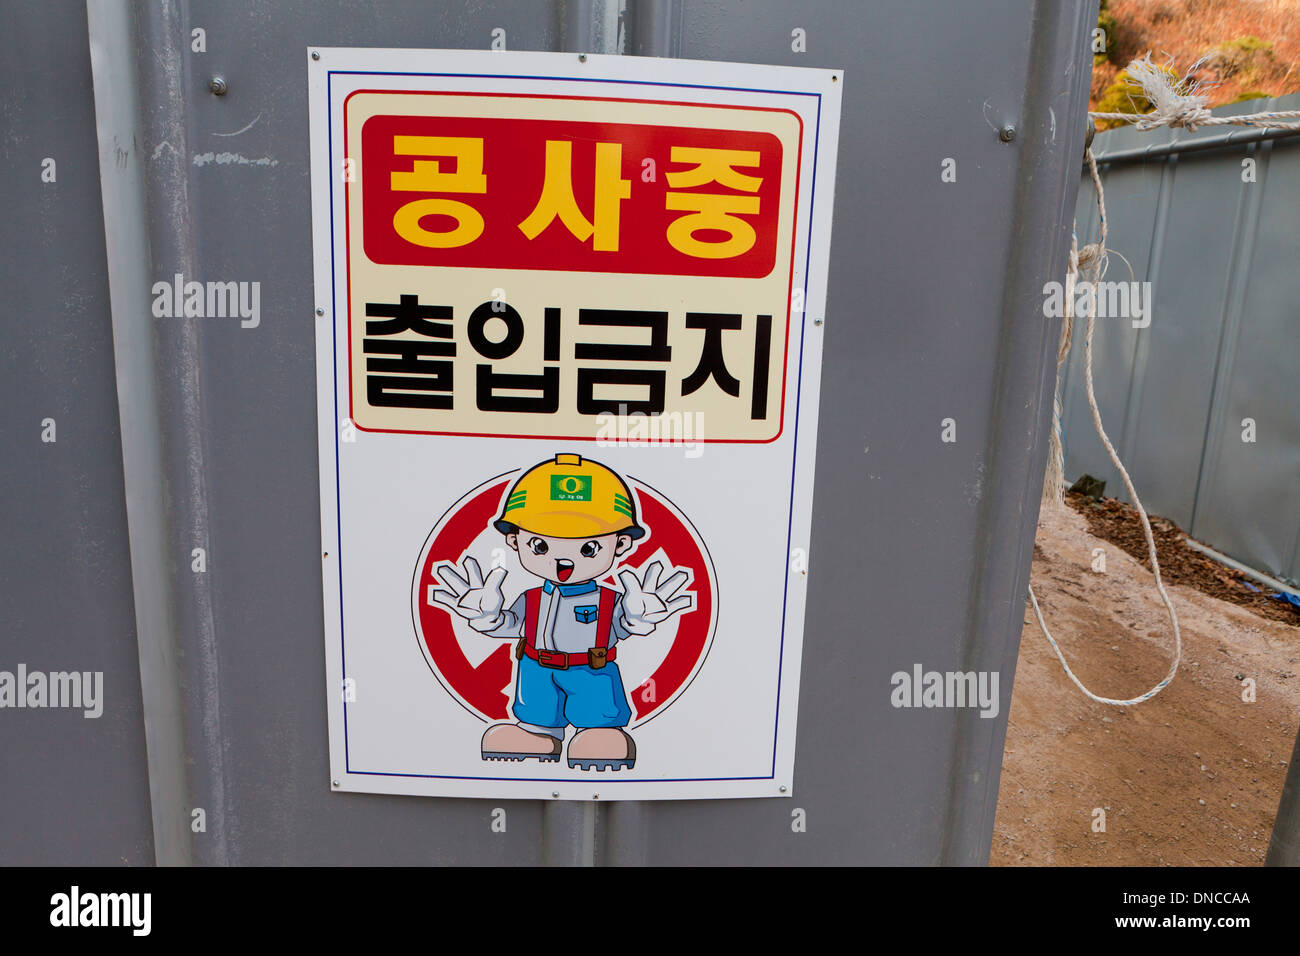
338	491
601	780
785	595
798	403
565	79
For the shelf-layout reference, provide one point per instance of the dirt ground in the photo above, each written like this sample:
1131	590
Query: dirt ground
1120	524
1191	777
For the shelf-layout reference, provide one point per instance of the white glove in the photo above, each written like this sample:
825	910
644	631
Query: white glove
647	602
476	600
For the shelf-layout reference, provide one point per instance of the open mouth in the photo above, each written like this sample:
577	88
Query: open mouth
563	569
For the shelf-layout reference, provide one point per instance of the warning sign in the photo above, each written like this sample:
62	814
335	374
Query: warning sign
568	349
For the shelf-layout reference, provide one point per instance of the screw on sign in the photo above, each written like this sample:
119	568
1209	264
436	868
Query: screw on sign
575	525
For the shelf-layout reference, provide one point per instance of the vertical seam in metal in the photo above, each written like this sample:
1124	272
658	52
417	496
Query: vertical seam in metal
650	28
173	231
569	828
1243	244
1007	522
118	131
1142	343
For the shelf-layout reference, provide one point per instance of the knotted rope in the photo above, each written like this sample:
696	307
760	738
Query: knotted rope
1181	102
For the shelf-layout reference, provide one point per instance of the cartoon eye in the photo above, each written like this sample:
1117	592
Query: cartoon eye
590	549
538	546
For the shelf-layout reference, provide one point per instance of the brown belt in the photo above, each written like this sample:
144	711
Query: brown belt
596	657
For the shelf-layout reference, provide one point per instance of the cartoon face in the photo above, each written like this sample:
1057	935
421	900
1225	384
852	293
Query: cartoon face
568	560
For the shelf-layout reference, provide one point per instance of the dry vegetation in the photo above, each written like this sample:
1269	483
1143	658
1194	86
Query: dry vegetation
1247	48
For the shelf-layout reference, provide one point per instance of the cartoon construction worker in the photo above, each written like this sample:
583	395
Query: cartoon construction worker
570	520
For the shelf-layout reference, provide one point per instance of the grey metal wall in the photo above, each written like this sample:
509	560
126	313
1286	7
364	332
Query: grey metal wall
72	789
920	548
1223	344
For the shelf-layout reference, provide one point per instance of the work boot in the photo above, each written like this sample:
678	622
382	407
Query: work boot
602	748
512	742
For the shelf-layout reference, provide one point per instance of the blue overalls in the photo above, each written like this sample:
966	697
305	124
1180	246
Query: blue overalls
567	673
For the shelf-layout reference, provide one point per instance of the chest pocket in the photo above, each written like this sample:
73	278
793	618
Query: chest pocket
585	614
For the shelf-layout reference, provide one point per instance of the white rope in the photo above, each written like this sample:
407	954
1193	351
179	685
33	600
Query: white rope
1054	482
1095	258
1181	102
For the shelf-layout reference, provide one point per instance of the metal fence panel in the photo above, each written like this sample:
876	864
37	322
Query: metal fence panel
1177	360
1251	494
913	337
1136	199
1220	253
229	198
72	789
921	548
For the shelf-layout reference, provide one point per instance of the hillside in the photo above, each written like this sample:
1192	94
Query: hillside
1246	48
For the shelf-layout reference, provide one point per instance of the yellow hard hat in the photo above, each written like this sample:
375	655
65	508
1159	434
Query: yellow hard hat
570	497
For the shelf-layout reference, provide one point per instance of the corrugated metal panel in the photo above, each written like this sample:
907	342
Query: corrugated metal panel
1223	344
921	548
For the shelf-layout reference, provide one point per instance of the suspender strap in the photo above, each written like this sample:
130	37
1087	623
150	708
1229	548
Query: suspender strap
604	623
605	616
532	603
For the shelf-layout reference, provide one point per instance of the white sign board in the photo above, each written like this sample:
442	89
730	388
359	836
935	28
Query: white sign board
568	352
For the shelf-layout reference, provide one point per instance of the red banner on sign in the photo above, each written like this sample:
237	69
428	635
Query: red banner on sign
570	196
